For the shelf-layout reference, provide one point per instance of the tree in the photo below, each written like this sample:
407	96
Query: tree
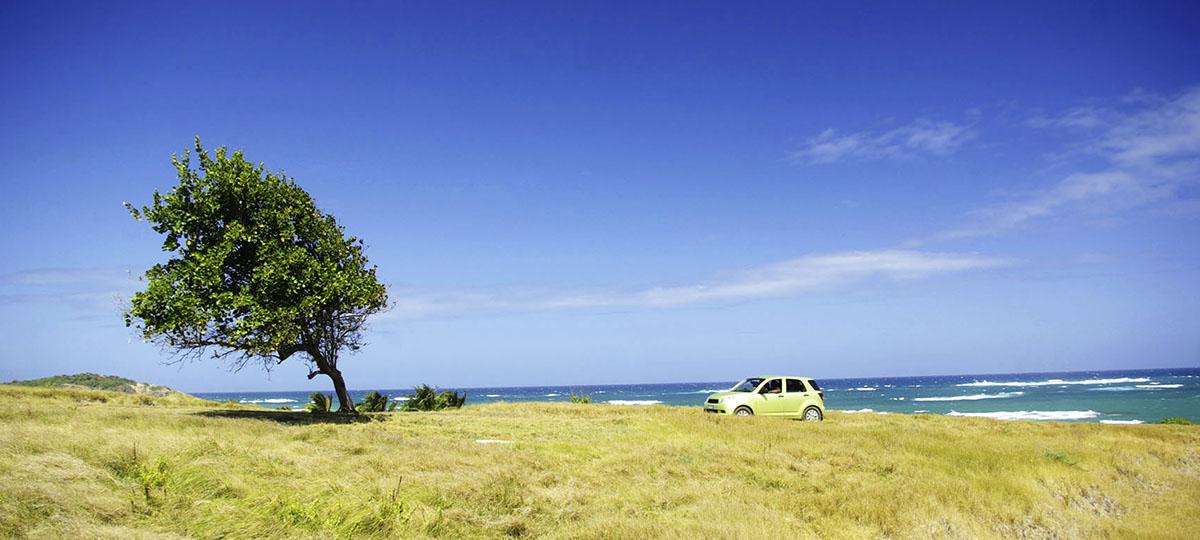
257	274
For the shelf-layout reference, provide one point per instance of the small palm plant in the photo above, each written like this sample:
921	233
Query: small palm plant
581	398
427	398
373	402
423	398
318	403
451	400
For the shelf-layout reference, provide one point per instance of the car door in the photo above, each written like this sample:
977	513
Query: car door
772	397
795	396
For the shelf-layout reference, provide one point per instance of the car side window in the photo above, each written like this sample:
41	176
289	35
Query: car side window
795	385
773	386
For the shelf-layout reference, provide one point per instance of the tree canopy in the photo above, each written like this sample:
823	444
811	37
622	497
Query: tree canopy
257	273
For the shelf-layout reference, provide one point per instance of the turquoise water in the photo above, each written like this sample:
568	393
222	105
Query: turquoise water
1129	396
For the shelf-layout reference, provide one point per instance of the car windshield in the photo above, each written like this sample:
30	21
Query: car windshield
747	385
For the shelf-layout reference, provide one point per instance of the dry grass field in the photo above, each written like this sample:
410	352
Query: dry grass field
93	464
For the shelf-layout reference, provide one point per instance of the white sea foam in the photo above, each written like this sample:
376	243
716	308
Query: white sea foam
401	398
897	399
1031	415
921	411
553	395
492	395
633	402
865	389
271	400
972	397
700	392
1114	389
1054	382
861	411
1156	386
1121	422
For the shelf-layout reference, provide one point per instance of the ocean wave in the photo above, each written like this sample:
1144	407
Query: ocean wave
864	389
633	402
401	398
552	394
1056	382
1122	422
271	400
897	399
1114	389
491	395
1030	415
862	411
920	411
972	397
699	392
1156	386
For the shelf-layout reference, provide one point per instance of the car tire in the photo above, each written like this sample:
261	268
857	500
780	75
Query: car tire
813	414
743	411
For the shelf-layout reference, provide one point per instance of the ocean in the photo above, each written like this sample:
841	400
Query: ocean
1117	397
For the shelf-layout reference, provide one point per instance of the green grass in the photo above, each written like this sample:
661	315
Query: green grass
76	463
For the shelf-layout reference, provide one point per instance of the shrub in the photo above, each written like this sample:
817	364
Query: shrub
373	402
581	398
448	399
1176	420
318	403
427	398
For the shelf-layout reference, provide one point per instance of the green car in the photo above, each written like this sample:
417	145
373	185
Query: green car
772	396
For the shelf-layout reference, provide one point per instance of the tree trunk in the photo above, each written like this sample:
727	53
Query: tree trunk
345	404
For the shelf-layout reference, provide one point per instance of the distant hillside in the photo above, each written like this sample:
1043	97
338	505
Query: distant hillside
99	382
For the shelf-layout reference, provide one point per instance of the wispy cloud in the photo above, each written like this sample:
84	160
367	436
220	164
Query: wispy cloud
90	290
920	137
1148	151
809	273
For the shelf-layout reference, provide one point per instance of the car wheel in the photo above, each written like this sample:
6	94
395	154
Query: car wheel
813	414
743	411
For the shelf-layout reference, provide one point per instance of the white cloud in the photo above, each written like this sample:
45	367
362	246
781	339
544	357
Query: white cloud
1164	132
92	290
796	276
922	136
1148	153
1077	118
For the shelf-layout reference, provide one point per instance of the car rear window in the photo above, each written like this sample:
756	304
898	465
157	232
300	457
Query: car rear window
814	385
794	385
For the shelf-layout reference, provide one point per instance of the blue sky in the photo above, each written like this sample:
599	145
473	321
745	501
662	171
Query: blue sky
566	194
